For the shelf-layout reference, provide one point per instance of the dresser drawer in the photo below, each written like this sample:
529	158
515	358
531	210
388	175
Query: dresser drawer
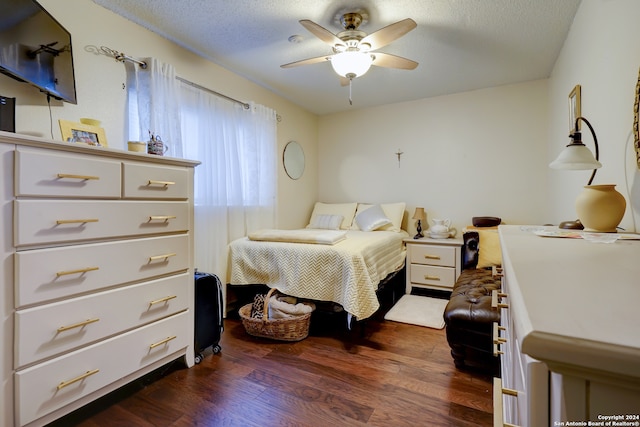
48	274
45	331
49	174
52	221
432	275
433	255
48	386
155	182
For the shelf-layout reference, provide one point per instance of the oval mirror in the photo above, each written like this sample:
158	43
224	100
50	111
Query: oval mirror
293	160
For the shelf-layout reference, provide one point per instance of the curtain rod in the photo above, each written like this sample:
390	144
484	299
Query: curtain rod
121	57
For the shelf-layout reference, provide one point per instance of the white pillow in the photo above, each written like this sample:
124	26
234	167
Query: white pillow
372	219
393	211
328	222
347	210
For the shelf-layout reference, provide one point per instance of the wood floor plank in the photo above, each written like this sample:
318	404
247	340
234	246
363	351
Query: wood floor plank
392	374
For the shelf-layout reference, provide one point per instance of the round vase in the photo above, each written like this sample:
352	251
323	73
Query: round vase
600	208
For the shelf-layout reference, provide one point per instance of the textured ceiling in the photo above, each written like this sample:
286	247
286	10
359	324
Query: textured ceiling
461	45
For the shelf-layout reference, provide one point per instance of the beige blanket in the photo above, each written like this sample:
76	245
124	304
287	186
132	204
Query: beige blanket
305	235
347	272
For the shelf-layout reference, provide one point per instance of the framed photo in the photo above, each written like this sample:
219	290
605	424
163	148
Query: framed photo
574	109
83	134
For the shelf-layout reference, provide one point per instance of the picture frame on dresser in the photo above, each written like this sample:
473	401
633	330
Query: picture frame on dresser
82	133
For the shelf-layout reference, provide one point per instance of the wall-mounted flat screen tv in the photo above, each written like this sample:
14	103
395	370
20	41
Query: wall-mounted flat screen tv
36	49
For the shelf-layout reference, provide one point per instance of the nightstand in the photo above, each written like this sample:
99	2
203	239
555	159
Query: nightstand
433	263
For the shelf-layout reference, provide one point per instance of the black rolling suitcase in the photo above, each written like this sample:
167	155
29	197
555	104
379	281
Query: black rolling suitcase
208	313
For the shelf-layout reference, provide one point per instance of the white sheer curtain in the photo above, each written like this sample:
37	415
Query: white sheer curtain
153	104
235	186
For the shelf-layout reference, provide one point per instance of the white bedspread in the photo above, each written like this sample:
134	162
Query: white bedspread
304	235
347	273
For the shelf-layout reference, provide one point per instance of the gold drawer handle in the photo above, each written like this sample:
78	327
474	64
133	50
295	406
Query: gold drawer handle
79	271
83	177
165	299
164	341
76	221
495	299
161	217
77	325
157	257
432	256
63	384
427	277
496	350
497	339
165	183
498	391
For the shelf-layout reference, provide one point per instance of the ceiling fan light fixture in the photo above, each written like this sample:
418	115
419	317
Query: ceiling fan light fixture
351	63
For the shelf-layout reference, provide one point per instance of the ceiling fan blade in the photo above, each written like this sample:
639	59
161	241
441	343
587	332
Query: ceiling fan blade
321	33
391	32
392	61
307	61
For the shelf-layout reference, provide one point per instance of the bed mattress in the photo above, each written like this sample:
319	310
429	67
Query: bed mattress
346	273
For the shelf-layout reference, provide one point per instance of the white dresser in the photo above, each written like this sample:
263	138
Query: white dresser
97	272
570	331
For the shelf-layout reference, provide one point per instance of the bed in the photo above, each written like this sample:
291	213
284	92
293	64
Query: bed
341	256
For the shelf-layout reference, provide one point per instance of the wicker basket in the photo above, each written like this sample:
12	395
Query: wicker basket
291	329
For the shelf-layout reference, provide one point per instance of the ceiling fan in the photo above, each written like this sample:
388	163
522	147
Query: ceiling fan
353	49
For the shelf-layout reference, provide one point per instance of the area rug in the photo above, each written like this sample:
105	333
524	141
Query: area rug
418	310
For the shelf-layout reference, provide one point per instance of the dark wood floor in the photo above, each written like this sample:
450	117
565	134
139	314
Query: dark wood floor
393	374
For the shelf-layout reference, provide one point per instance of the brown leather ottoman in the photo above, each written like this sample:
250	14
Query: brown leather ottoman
469	320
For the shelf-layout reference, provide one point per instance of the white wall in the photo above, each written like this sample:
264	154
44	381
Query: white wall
602	54
480	153
100	80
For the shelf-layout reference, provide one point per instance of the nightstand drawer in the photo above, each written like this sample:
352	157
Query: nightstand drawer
43	173
433	255
432	275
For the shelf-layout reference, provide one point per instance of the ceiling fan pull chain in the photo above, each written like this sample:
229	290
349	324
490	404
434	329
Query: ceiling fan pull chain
350	102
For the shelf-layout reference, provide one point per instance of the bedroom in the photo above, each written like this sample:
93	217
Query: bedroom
499	140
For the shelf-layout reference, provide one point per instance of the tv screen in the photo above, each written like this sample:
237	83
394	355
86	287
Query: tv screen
36	49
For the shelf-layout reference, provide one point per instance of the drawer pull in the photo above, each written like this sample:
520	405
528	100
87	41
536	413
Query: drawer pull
165	299
161	217
496	350
78	271
497	339
165	183
157	257
498	416
427	277
76	221
509	391
83	177
496	271
63	384
164	341
432	256
495	299
77	325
